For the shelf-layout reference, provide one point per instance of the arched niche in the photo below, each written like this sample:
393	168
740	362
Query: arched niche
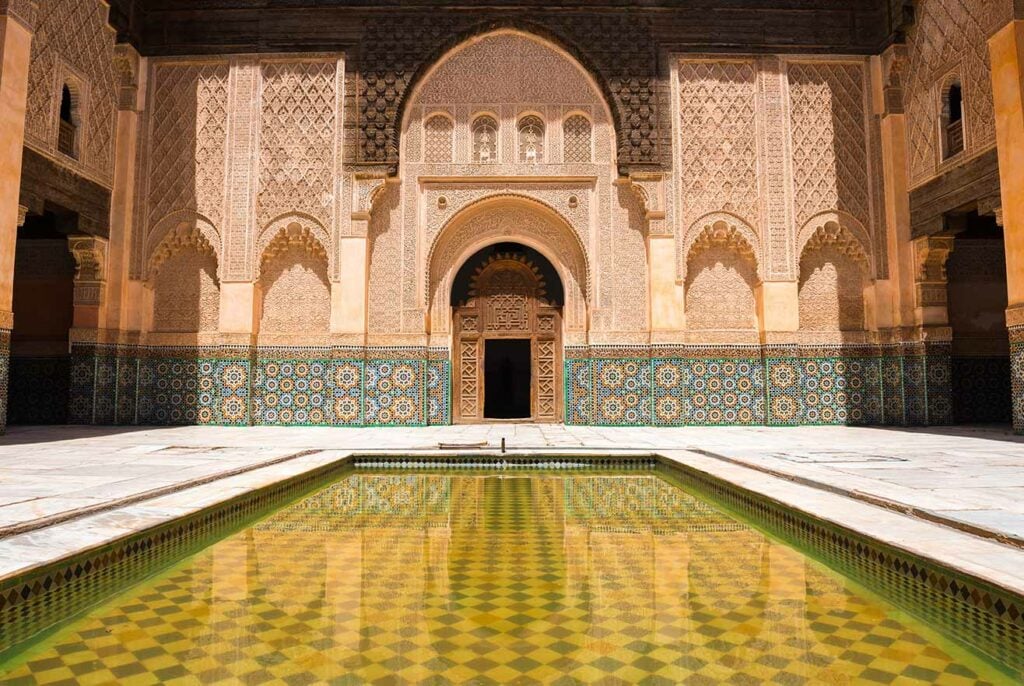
507	219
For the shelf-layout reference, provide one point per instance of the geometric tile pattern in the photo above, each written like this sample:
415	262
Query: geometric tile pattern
898	385
1017	376
241	386
622	395
5	372
38	390
394	392
491	580
981	389
439	392
823	385
308	392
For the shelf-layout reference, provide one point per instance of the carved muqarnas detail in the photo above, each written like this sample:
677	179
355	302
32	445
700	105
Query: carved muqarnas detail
183	274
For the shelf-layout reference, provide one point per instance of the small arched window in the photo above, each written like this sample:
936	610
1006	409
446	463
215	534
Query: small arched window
952	120
437	139
67	133
485	140
577	139
531	140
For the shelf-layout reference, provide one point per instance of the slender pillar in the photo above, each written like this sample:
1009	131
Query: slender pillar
1006	49
902	266
16	21
131	74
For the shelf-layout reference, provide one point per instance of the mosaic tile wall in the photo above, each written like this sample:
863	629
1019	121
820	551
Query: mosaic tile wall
748	385
981	389
241	386
38	390
5	352
629	385
1017	376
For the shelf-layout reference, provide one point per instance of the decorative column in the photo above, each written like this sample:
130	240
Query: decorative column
17	19
90	253
930	296
668	318
130	70
238	298
888	77
1006	49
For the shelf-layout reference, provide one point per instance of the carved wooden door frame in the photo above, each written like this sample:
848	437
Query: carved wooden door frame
506	300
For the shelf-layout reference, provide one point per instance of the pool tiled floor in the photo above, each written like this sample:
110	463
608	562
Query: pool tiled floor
498	579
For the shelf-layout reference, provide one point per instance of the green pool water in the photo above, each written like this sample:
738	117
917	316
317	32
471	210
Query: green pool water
484	578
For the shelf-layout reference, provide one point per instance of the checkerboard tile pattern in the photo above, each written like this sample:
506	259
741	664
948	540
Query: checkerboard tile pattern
544	579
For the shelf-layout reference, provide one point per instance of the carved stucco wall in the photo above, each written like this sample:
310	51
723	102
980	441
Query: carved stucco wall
240	147
771	148
949	38
487	77
831	291
296	291
186	292
74	45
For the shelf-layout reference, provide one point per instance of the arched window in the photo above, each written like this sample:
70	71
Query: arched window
485	140
952	120
67	132
531	140
577	139
437	139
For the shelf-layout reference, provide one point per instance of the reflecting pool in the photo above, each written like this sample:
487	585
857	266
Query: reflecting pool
494	579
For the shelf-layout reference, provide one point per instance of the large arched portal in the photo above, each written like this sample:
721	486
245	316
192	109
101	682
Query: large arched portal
507	268
506	304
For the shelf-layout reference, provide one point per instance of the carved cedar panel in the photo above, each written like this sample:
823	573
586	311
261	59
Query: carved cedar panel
72	39
830	170
949	36
718	139
297	152
506	300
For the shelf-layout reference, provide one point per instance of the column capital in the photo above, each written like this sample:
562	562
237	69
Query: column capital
894	60
23	11
930	256
90	253
127	63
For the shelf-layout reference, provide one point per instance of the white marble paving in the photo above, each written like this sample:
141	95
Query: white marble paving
66	488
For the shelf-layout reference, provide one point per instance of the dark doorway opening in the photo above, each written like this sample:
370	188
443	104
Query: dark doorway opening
507	378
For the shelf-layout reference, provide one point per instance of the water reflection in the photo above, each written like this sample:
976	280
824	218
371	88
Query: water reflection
501	579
